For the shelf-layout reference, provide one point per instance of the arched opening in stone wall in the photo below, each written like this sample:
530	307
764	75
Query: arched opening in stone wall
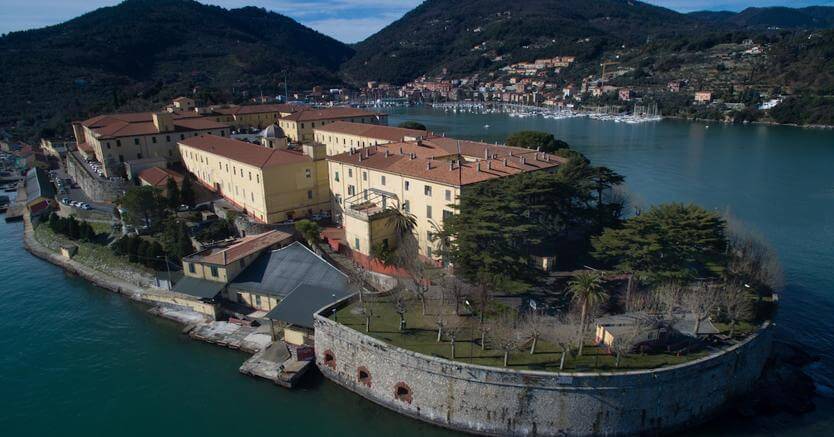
329	359
363	375
402	392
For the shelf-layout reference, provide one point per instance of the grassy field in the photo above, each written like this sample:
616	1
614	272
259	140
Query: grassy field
96	256
420	336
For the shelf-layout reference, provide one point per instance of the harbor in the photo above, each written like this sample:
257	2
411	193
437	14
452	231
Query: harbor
635	115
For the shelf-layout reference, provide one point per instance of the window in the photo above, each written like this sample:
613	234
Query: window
407	185
382	180
363	376
350	172
308	173
428	251
258	178
302	125
182	136
252	196
428	211
364	176
309	194
138	156
153	140
448	194
250	175
351	190
221	165
402	392
257	300
214	271
406	206
168	138
107	144
356	243
191	268
337	177
136	141
446	214
170	152
118	143
427	190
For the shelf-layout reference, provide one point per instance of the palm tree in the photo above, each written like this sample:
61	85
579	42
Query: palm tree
403	223
586	288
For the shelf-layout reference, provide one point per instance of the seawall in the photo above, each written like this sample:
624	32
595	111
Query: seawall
496	401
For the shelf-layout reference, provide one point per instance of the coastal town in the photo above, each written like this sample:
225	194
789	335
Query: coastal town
289	231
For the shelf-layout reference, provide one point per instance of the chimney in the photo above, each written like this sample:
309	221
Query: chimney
489	165
428	165
479	167
401	150
451	165
386	153
486	153
505	162
547	158
163	121
523	160
511	153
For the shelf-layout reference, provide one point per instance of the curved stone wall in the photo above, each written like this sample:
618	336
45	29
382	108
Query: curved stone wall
497	401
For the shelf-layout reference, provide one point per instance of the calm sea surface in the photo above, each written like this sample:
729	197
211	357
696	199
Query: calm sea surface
77	360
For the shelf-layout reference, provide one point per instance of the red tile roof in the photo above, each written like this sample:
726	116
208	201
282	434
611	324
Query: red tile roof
329	114
257	109
158	177
431	160
136	124
376	131
244	152
226	254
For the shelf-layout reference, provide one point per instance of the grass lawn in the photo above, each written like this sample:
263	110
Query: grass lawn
420	336
96	256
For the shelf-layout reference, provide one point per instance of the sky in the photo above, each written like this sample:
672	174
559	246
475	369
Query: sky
346	20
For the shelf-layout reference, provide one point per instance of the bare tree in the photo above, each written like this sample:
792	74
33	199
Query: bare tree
701	301
456	289
752	260
625	341
737	305
561	332
505	336
400	305
441	323
367	312
453	330
533	325
665	298
485	330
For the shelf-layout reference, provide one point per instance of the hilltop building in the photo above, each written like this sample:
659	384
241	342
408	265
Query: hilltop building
270	185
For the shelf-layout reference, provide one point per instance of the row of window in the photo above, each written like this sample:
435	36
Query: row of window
427	189
153	139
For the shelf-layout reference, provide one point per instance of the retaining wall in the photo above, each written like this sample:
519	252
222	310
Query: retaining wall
96	188
497	401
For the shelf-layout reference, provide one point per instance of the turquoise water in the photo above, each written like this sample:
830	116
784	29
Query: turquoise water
77	360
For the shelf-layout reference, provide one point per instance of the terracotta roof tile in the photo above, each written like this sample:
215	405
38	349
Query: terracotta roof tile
431	160
158	177
136	124
376	131
257	109
329	114
226	254
247	153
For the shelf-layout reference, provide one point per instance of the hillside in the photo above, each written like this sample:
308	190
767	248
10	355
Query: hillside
813	17
444	34
142	52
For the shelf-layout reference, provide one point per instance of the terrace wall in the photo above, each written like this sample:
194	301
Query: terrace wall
96	188
496	401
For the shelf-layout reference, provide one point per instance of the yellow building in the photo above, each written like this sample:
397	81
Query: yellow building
300	126
341	136
250	116
270	185
118	138
423	178
224	261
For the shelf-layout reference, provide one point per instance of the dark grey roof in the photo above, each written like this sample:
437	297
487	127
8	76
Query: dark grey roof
38	184
279	272
298	307
198	287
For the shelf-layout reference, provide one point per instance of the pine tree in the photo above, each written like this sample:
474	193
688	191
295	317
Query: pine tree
187	191
172	193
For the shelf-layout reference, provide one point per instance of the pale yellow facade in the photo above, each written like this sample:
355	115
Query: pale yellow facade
259	120
304	131
429	202
271	194
337	143
214	272
113	151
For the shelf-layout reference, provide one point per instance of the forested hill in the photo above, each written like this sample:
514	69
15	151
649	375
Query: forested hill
445	33
143	52
812	17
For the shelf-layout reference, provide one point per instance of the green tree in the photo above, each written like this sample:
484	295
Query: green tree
142	206
53	222
73	229
309	230
587	291
172	193
187	194
536	140
670	241
412	125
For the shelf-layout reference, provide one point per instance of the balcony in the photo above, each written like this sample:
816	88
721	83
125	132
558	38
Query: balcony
371	204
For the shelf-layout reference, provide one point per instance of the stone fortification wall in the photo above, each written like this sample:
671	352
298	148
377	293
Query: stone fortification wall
96	188
499	401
